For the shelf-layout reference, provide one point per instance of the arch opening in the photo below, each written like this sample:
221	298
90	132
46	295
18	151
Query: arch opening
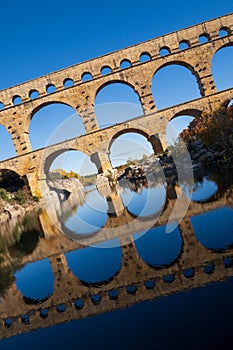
144	57
95	266
158	249
71	175
7	149
33	94
177	126
214	228
184	44
173	84
222	68
142	189
106	70
129	147
53	123
116	102
204	38
86	76
36	281
164	51
50	88
17	100
10	180
74	164
224	31
229	109
125	64
68	82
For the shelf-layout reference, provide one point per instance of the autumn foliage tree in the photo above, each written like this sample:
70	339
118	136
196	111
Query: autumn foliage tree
215	130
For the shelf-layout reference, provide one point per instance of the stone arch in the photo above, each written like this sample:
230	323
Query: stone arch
115	102
123	131
192	112
153	140
222	57
227	103
60	120
180	121
47	103
177	64
11	179
115	81
49	159
7	149
70	163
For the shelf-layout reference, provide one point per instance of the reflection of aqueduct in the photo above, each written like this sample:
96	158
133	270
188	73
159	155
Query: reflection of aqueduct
21	102
134	282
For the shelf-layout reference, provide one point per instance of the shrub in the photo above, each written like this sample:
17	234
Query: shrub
4	194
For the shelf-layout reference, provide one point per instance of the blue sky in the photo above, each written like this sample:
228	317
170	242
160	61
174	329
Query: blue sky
41	37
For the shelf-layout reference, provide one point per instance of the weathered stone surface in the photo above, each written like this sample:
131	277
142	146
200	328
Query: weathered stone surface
81	96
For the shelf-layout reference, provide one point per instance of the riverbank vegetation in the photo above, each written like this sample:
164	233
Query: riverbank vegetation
13	189
211	136
59	174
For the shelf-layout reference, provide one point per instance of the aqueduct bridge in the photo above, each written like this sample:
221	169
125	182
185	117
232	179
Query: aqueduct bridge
78	85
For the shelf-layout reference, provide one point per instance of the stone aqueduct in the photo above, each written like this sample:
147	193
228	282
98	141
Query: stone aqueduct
21	102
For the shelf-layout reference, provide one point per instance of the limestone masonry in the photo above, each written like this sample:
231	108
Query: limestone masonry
81	95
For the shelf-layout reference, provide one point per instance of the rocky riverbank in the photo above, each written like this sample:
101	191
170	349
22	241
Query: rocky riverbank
17	204
12	210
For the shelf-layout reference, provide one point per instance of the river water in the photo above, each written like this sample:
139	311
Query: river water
113	275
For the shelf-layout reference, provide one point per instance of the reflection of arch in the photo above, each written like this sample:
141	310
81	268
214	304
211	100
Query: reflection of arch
158	249
148	202
216	236
39	291
99	258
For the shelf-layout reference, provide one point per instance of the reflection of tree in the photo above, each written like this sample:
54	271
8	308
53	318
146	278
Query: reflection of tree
224	182
16	243
6	278
27	242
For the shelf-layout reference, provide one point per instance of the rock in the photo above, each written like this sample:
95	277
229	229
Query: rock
14	210
70	185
